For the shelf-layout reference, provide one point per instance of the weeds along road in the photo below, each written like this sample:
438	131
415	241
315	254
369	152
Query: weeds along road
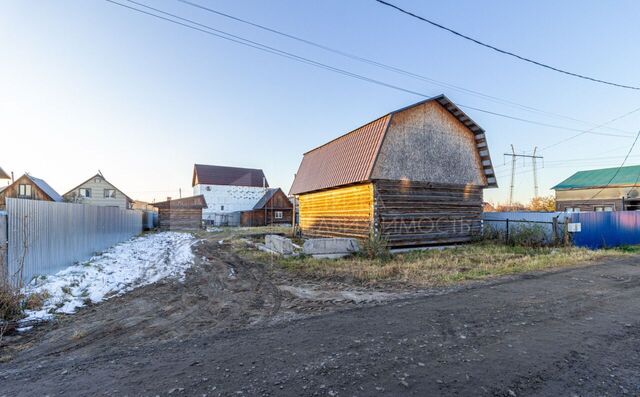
573	332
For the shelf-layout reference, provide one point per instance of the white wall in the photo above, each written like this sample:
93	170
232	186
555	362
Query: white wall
233	198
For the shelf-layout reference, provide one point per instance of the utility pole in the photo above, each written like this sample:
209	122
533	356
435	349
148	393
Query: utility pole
513	175
535	173
514	158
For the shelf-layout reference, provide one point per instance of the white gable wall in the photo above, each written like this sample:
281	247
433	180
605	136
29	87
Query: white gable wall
225	199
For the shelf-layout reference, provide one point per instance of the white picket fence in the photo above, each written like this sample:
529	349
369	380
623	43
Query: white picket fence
45	237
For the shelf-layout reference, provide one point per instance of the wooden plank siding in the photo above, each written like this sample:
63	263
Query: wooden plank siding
13	191
179	218
412	213
181	214
340	212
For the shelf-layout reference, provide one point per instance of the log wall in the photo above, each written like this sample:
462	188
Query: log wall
411	213
340	212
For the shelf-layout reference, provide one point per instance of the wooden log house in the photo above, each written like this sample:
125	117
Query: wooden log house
413	177
30	188
181	214
274	208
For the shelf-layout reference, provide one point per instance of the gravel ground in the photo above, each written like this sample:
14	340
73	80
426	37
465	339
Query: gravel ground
229	330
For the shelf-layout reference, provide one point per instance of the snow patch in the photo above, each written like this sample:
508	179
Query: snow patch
140	261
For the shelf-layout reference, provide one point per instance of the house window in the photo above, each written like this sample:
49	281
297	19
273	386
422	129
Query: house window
222	208
572	209
277	214
85	192
109	193
603	208
97	180
24	191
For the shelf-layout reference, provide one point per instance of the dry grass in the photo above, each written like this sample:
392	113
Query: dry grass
440	267
35	301
10	303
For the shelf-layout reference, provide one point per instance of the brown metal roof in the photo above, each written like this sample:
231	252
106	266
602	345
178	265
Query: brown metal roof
350	158
347	159
196	202
234	176
4	175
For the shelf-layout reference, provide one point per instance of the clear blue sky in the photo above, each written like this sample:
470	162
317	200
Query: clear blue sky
87	85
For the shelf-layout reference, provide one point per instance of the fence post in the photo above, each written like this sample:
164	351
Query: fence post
565	236
554	232
507	233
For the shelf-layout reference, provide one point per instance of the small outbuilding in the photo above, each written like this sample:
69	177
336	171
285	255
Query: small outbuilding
181	214
273	208
413	177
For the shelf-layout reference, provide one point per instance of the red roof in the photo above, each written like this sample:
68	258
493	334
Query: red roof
233	176
347	159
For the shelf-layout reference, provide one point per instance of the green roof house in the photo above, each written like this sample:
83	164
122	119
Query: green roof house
606	189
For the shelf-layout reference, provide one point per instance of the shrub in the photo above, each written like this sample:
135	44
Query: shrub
528	235
375	247
10	303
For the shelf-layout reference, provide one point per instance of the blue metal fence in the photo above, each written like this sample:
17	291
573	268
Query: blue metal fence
606	229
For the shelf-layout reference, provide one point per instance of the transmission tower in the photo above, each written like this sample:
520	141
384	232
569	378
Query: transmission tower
514	158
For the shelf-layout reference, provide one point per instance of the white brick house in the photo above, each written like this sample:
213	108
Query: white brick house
227	191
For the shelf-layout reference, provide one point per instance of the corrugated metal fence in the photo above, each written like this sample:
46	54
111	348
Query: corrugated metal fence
606	229
45	237
3	246
590	229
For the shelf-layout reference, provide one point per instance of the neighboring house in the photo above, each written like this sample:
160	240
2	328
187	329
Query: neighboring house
227	191
413	177
181	214
29	187
98	191
272	209
607	189
3	174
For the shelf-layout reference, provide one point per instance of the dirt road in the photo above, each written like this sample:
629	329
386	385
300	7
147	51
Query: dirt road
573	332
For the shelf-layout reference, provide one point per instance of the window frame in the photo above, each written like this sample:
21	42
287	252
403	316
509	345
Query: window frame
104	193
87	190
278	214
26	186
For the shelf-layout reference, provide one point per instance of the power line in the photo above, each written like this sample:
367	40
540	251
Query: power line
505	52
272	50
584	132
383	65
621	165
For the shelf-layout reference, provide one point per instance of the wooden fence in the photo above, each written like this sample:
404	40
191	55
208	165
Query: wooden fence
45	237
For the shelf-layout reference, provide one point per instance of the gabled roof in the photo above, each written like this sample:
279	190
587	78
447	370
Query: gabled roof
624	176
232	176
44	186
4	175
99	175
350	158
267	196
196	202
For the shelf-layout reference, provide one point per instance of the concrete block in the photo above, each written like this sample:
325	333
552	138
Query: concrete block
279	244
330	247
